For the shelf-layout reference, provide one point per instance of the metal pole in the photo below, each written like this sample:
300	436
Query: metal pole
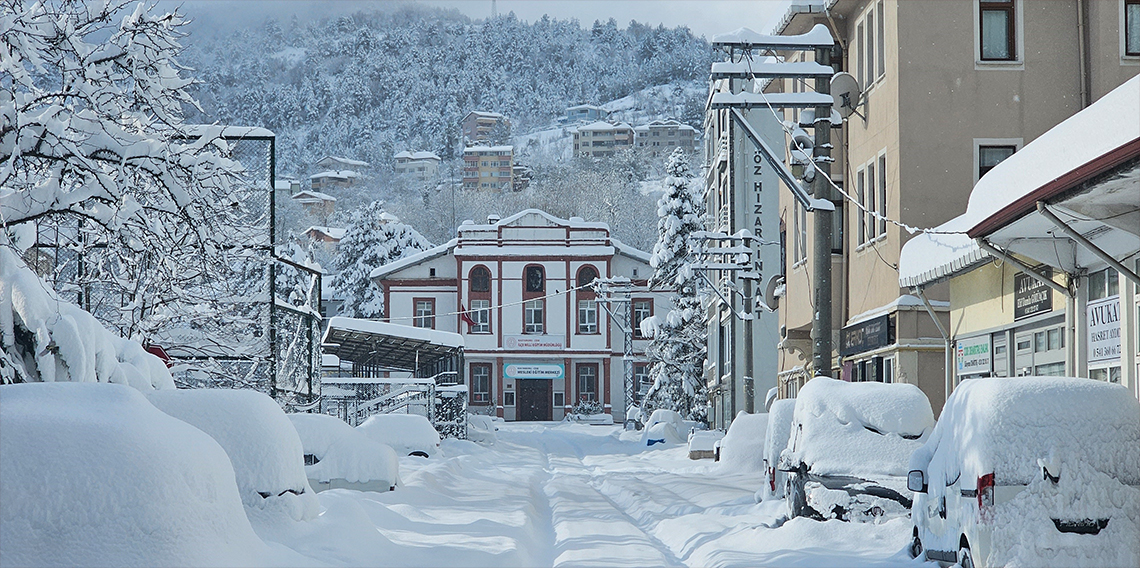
821	154
749	366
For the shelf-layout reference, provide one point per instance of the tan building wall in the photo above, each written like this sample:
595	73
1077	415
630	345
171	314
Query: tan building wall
984	298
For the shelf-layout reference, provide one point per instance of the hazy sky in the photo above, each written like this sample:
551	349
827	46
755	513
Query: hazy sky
706	18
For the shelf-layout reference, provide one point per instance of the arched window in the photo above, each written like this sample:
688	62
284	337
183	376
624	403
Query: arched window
534	308
535	278
479	287
480	279
586	275
587	304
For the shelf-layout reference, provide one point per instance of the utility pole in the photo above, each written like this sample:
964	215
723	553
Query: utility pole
821	189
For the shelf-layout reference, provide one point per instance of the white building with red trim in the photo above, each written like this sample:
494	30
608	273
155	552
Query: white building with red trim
536	343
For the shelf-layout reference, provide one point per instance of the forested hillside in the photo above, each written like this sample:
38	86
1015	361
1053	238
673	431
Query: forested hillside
371	84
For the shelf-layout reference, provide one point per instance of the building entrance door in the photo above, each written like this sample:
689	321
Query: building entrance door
534	399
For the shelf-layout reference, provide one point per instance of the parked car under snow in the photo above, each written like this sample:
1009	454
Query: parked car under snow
850	447
408	434
1030	471
338	456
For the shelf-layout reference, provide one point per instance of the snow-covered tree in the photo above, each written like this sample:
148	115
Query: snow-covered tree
374	238
677	350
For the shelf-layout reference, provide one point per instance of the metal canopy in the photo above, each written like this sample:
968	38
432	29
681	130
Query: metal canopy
389	346
769	70
746	39
773	100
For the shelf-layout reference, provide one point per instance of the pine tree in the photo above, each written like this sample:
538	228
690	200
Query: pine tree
677	351
374	238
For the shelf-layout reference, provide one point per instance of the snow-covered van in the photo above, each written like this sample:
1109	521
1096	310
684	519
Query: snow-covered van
849	448
1030	471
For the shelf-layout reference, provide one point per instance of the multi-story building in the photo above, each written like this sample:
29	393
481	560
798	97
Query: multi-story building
479	126
333	179
536	340
421	166
602	139
661	137
315	203
949	89
585	113
488	168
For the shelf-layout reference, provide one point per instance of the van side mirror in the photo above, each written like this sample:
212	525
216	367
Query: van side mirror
916	481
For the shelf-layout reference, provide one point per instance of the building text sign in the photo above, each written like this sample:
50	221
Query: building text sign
534	370
1030	296
1104	329
534	342
973	356
865	336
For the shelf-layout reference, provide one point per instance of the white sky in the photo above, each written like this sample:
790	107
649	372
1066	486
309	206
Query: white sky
706	18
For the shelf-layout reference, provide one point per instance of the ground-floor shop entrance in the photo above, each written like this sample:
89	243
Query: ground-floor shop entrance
534	399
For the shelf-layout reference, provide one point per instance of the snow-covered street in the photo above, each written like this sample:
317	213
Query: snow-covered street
557	494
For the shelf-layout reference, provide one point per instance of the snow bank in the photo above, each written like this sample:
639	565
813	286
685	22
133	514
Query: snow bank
50	339
93	474
1003	426
664	425
742	448
775	441
405	433
860	429
343	453
703	443
260	441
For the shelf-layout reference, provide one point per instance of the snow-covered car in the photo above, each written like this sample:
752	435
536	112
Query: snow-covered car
775	440
408	434
664	427
262	445
481	428
742	448
93	474
1030	471
703	443
850	446
337	456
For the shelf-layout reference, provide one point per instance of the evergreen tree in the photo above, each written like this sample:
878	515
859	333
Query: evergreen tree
677	350
374	238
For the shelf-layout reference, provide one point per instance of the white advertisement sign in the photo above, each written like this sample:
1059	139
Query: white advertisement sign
1104	329
534	370
974	356
534	342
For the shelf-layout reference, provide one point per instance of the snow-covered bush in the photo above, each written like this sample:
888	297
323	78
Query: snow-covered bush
408	434
343	456
587	407
262	444
93	474
677	350
49	339
374	238
742	449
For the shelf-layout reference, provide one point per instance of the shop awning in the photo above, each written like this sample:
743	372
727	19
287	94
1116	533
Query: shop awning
387	345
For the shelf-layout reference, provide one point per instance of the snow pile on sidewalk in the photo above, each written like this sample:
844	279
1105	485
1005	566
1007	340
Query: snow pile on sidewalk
405	433
261	442
49	339
344	453
861	429
95	475
742	449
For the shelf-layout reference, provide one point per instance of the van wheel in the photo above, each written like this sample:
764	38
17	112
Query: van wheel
965	559
915	546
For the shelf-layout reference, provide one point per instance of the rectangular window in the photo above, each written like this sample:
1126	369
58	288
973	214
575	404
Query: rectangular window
871	74
882	195
1039	345
641	379
803	233
641	310
481	315
860	58
588	381
881	40
425	313
533	316
559	399
1132	27
860	194
509	398
1054	338
871	224
587	316
1104	284
996	21
1050	370
480	383
796	255
990	156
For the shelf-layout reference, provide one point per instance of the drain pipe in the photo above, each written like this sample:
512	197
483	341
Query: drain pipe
1083	51
949	362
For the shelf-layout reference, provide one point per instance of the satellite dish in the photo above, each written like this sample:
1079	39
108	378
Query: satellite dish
846	93
770	297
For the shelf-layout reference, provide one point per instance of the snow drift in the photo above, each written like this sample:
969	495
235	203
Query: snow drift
95	475
261	442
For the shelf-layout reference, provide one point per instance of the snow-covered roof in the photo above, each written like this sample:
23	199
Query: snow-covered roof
903	301
310	195
573	222
434	252
488	149
339	174
663	124
630	251
603	126
769	68
776	100
584	107
802	7
436	336
818	36
484	114
425	156
220	131
404	154
333	232
332	162
1096	131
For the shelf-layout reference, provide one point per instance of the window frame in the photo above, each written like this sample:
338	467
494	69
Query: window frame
481	315
1018	34
979	143
1009	7
588	308
417	319
584	394
633	315
860	189
881	160
1124	53
536	326
475	397
527	291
